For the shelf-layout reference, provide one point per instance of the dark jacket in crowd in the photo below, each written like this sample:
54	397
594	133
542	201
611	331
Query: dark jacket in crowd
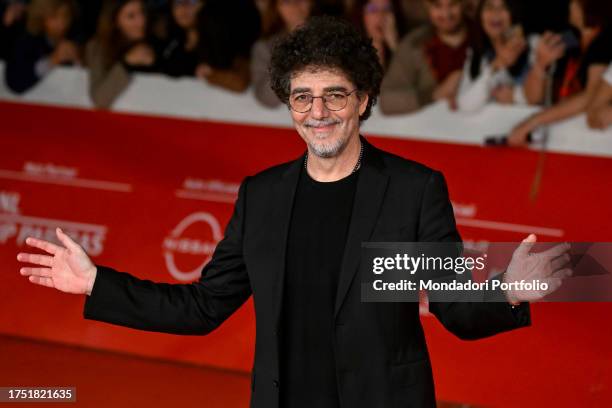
173	58
25	65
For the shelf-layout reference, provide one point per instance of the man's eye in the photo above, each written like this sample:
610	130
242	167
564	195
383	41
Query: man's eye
335	96
301	98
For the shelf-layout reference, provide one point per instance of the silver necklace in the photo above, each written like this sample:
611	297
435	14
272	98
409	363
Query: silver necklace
357	165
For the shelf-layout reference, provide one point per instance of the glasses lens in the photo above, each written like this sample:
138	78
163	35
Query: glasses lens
301	102
335	101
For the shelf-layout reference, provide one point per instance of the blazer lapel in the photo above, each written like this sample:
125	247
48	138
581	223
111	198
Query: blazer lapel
371	187
283	197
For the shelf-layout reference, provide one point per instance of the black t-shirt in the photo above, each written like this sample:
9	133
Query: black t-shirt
317	236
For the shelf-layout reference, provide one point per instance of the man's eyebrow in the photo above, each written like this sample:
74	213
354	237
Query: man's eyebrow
328	89
300	90
335	88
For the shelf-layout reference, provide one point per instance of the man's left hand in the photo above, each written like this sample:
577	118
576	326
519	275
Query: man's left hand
550	267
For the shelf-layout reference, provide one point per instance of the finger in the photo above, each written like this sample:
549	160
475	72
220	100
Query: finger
526	245
562	274
66	240
556	251
48	282
37	259
42	272
553	285
44	245
555	39
559	262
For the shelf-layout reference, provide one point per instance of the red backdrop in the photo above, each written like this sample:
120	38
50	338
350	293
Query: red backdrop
150	195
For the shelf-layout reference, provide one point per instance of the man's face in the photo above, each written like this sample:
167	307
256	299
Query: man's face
326	132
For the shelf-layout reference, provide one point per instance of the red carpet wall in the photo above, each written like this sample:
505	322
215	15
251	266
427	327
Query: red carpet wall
151	196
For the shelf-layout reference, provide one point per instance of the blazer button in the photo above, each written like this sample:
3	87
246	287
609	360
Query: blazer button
275	383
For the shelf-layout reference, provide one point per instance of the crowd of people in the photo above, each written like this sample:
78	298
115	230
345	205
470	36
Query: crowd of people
556	53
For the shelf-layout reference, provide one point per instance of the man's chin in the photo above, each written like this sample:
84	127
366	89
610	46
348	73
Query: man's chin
327	149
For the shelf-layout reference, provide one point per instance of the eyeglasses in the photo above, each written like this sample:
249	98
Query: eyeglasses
333	101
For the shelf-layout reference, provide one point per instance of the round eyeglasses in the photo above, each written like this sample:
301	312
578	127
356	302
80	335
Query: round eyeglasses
333	101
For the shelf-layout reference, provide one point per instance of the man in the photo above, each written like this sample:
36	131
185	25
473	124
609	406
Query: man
294	241
428	62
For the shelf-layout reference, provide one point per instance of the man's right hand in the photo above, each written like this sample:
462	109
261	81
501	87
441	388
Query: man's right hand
66	268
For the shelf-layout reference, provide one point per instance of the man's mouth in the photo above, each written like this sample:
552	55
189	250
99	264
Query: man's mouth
321	126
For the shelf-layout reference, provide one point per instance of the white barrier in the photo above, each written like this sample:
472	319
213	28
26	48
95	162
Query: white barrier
190	98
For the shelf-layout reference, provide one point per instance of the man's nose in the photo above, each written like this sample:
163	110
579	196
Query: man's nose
319	110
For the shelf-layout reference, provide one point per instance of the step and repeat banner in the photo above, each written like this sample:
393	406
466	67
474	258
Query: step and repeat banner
151	196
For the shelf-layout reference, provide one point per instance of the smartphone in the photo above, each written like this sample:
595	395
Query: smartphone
570	40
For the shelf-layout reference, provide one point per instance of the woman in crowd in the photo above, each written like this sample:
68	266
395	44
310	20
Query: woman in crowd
584	71
500	61
177	51
280	17
227	32
119	48
599	111
383	22
43	45
428	62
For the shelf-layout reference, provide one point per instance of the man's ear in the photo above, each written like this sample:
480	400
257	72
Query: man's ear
363	102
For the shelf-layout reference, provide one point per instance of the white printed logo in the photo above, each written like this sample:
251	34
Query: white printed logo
15	225
180	244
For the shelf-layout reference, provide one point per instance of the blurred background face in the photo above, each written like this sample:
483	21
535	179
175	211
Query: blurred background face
576	14
294	12
495	18
131	21
376	13
185	12
58	22
445	15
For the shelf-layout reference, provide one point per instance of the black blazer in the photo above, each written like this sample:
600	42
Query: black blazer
381	355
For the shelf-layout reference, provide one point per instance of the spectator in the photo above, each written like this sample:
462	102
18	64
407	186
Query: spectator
85	25
428	62
281	17
582	74
228	30
118	49
43	45
413	13
599	111
12	14
382	21
498	62
177	51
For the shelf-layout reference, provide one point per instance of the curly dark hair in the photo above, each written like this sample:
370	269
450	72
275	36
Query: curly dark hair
329	43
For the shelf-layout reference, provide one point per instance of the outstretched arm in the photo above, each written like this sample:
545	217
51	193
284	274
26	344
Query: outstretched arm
473	320
563	110
122	299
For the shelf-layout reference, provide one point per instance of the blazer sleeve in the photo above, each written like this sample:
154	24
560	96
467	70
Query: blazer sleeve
105	83
259	74
408	85
196	308
467	320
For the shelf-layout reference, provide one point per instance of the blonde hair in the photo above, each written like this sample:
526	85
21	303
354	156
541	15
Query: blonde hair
39	10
